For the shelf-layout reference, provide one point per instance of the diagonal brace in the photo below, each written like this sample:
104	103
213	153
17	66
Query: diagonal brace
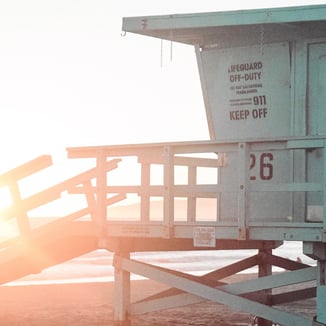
213	294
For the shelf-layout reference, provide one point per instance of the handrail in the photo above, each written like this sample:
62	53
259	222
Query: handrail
20	207
190	156
171	155
11	178
25	170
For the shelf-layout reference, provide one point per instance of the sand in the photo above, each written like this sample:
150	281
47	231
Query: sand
92	304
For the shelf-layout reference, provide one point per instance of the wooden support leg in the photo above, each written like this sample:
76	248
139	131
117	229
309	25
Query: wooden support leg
321	292
121	300
264	269
317	251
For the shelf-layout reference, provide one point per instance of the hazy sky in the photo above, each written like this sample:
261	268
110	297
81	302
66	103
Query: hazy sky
68	78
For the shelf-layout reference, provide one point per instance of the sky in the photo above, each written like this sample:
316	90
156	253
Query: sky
69	78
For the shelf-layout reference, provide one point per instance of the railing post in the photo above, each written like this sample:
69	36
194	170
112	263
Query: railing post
101	184
321	264
168	206
91	198
121	291
11	178
264	269
145	199
191	201
22	218
324	189
243	197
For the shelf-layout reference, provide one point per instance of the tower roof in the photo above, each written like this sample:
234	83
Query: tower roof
279	24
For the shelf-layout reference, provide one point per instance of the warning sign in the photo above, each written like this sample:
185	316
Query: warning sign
249	91
204	236
247	98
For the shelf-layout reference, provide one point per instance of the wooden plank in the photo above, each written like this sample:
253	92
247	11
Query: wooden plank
294	295
141	150
25	170
291	187
191	147
243	195
22	218
305	144
168	196
172	299
191	200
145	198
52	193
203	23
284	263
101	195
144	243
185	161
215	294
199	190
121	293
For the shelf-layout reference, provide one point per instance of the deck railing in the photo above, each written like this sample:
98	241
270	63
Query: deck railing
206	155
20	207
232	187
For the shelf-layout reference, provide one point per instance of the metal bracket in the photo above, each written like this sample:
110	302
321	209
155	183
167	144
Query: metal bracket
316	323
222	160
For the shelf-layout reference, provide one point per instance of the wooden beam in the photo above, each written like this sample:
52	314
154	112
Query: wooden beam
25	170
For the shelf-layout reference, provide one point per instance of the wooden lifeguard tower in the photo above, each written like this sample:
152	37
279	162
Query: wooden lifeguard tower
263	79
262	74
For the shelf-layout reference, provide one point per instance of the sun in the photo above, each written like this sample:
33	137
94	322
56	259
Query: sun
5	198
8	229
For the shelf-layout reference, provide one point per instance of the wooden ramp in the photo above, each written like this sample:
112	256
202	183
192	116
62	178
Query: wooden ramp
92	226
34	248
231	225
49	246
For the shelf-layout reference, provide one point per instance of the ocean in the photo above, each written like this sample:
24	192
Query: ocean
97	265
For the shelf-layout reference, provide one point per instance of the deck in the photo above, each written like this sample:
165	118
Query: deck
154	172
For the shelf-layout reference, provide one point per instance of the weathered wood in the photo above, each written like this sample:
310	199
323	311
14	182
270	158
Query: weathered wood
25	170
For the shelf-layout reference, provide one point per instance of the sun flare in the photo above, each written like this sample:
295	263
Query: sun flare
8	230
5	198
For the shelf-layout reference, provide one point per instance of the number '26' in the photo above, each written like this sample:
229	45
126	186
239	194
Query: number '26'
264	163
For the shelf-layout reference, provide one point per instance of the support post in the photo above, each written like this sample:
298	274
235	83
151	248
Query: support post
22	218
168	205
121	300
243	199
317	251
320	254
321	291
264	269
145	199
191	201
101	184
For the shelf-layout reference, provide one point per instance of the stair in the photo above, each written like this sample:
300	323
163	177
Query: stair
67	237
49	246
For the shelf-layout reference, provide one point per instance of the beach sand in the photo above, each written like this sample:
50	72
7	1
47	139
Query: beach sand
92	304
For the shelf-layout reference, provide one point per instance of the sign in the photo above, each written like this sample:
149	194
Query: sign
248	89
204	237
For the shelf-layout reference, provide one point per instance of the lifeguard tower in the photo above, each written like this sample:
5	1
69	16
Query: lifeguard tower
263	78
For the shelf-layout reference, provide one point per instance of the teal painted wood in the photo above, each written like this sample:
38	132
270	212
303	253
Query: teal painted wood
255	69
321	303
175	279
148	24
263	78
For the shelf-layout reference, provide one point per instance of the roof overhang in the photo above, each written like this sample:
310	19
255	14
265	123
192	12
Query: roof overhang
247	26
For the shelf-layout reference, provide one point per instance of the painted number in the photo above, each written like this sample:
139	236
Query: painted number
265	166
259	100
